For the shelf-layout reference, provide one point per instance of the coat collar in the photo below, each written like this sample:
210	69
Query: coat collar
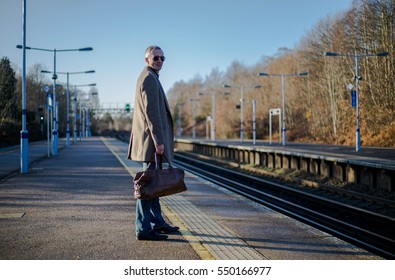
153	71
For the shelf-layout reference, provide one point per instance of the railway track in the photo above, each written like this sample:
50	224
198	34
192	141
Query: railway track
337	214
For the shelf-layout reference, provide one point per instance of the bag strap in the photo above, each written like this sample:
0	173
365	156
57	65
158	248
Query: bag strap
154	159
168	161
158	162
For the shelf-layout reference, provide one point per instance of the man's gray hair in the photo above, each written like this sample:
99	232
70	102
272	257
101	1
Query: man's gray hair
150	50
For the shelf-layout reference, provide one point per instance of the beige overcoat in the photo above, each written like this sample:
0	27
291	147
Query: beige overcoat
152	119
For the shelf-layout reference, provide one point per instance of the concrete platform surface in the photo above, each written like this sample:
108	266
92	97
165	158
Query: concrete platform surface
80	205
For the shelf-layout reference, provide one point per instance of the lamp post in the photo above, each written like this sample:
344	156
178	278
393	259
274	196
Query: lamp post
88	132
253	121
24	139
357	78
213	128
179	129
194	100
242	106
54	77
75	111
68	100
302	74
50	108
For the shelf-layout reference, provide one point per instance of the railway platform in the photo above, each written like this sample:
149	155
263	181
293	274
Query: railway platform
79	205
371	167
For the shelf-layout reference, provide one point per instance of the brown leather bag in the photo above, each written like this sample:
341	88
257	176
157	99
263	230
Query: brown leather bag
158	182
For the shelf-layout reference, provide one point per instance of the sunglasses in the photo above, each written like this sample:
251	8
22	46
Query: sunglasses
156	58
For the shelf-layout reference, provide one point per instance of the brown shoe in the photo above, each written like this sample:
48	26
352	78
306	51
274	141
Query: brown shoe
166	229
151	235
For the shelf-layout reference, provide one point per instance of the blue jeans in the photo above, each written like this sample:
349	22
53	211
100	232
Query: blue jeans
148	212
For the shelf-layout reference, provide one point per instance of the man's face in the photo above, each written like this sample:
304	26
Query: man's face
155	60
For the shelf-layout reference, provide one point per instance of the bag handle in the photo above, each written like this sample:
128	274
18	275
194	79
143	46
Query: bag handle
159	162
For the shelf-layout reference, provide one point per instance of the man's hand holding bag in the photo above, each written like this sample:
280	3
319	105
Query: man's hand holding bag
158	182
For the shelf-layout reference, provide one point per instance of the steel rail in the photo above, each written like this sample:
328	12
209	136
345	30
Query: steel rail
365	238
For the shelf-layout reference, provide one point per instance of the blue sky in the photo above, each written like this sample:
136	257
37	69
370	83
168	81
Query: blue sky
196	36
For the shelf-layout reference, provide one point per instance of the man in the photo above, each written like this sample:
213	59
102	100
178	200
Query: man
152	131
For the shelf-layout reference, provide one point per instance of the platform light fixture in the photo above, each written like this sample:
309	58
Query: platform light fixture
54	77
357	79
301	74
242	105
68	100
